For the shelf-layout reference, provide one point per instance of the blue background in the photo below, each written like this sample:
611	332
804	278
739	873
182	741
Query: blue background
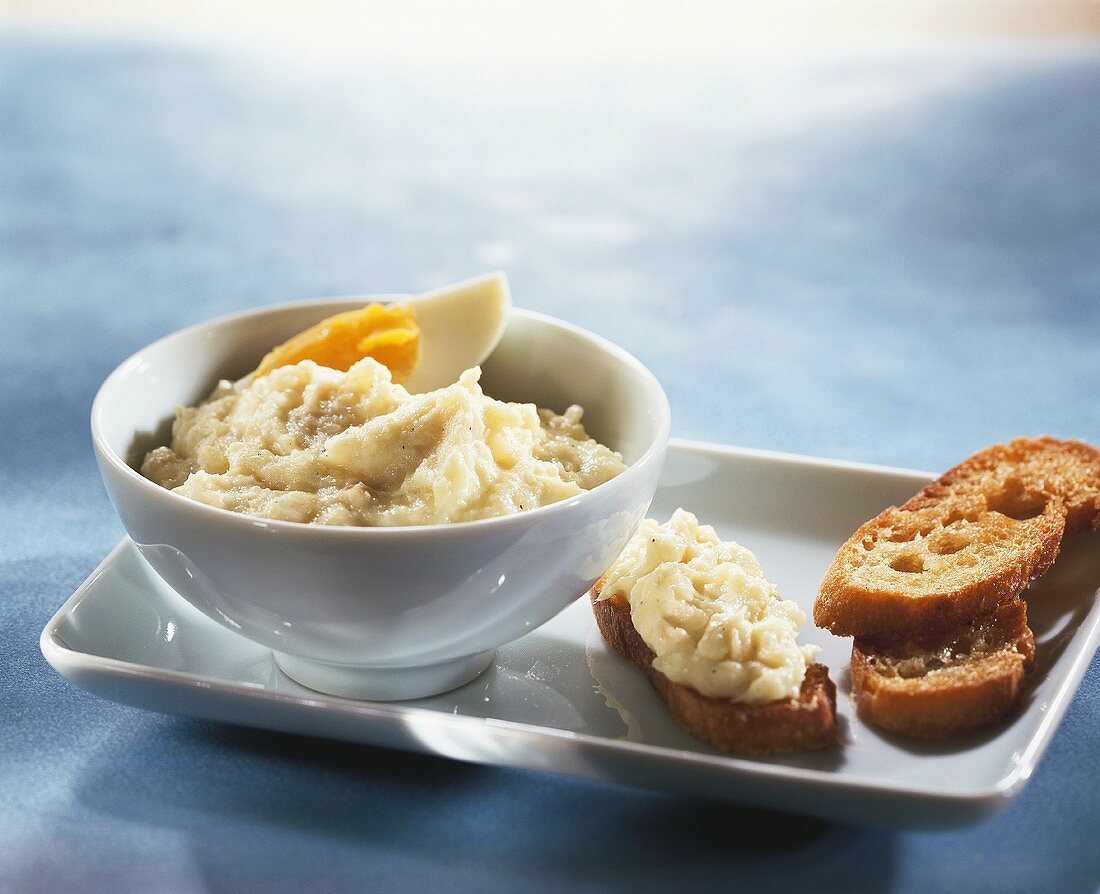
884	258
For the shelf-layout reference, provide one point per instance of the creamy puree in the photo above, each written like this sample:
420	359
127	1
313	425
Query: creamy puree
306	443
706	610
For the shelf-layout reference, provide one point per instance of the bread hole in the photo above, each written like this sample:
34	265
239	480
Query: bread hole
956	515
948	544
909	563
1017	503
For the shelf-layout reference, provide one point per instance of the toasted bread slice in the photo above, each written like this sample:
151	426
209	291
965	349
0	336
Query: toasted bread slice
969	542
780	727
935	687
934	568
1019	477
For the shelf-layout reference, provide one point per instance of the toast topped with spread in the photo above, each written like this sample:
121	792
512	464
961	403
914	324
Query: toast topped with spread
715	640
931	589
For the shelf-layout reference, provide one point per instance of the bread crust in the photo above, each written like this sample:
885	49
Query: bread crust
781	727
939	687
967	543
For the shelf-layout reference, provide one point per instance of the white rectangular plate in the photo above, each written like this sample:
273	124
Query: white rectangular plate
559	700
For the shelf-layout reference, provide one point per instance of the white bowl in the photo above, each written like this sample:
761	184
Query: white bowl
383	613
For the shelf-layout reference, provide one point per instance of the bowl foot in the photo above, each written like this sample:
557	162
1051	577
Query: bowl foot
385	684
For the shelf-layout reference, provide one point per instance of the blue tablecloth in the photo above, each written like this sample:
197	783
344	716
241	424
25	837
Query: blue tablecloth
891	259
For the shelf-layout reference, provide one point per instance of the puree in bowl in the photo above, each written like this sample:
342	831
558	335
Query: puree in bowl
307	443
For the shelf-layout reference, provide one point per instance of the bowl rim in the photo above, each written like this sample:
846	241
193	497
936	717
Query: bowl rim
216	514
